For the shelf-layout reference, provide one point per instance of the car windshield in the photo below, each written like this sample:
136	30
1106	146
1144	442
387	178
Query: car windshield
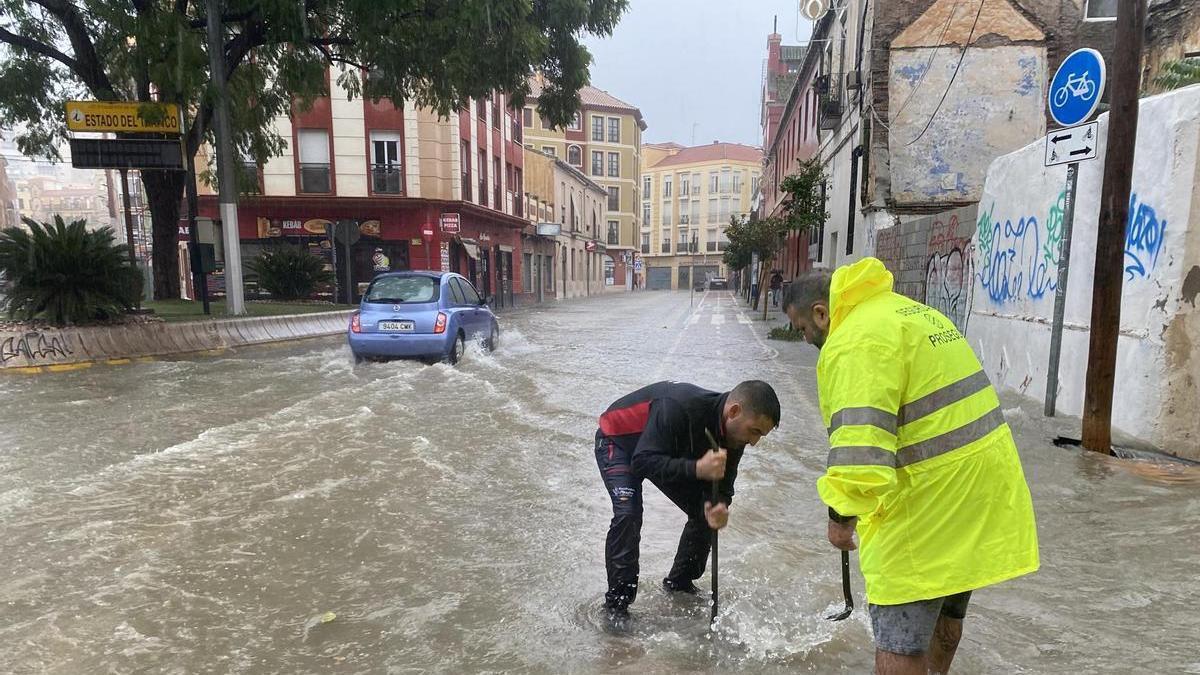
399	290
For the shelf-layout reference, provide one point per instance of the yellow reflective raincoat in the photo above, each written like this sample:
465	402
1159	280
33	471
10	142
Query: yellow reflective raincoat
919	449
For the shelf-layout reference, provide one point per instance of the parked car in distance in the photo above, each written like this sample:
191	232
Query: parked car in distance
420	315
718	283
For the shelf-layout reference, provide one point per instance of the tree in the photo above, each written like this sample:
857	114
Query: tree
429	53
804	205
1178	74
748	237
66	274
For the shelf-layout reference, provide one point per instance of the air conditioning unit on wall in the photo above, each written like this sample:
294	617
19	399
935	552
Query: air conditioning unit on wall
854	80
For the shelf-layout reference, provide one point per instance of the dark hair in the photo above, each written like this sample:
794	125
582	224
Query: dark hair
758	397
808	288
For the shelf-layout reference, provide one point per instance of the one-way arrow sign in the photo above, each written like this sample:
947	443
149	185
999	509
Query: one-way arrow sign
1073	144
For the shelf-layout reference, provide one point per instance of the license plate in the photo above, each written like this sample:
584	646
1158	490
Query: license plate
402	326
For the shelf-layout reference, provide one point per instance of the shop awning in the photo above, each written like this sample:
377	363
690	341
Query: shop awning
471	247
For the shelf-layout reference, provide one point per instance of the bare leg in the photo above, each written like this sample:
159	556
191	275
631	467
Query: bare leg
887	663
944	644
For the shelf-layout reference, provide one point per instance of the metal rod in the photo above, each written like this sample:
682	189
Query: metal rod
1060	294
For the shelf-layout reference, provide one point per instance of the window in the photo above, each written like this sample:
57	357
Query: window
614	229
666	187
724	209
710	244
754	178
1100	10
527	272
456	293
684	191
597	163
713	179
646	187
684	212
497	202
497	116
614	165
402	290
483	181
598	128
614	199
683	240
737	182
666	216
574	155
645	242
576	123
549	150
726	174
645	212
545	121
696	211
314	160
481	109
695	183
464	161
385	162
527	117
665	242
614	130
712	210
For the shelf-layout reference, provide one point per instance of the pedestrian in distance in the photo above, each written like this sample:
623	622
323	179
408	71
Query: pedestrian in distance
660	433
922	466
776	286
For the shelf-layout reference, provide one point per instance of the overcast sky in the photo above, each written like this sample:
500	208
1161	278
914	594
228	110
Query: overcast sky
686	62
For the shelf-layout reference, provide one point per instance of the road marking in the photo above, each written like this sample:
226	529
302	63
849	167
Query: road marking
718	319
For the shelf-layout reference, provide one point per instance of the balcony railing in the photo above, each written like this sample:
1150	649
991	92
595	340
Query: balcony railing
314	178
710	246
385	179
645	248
666	247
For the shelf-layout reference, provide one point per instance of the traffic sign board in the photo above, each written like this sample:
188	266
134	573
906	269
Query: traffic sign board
1077	87
126	153
123	117
451	223
1073	144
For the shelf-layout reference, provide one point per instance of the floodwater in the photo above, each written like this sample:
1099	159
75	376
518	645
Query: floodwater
207	514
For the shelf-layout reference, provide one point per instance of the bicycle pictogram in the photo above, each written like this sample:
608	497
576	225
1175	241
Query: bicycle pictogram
1078	86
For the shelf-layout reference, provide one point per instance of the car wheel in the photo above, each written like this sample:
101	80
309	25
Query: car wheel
494	341
457	350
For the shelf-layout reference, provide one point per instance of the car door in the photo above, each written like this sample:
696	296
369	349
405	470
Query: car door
458	306
482	317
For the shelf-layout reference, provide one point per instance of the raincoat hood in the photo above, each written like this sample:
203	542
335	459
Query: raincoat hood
854	284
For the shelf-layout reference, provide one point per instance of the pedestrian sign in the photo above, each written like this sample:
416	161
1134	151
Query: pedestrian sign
1073	144
1077	87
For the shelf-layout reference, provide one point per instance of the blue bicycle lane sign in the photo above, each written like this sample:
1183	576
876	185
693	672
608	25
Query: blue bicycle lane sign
1077	87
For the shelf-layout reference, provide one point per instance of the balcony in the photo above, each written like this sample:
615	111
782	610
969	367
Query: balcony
831	109
666	247
385	179
314	179
518	206
646	248
710	246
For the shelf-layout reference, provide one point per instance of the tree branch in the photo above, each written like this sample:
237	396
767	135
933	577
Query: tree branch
87	63
31	45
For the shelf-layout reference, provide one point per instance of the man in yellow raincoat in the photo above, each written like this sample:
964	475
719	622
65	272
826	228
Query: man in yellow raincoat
921	462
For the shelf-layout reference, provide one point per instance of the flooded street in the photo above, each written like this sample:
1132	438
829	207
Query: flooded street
205	514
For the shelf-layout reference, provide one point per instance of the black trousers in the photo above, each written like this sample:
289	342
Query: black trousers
625	531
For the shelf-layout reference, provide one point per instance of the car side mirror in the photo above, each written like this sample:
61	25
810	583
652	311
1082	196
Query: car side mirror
485	301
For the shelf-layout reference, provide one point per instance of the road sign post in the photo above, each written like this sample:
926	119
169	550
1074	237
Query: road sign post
1075	93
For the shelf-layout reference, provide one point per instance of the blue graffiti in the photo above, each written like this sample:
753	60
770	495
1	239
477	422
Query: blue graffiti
1144	238
1013	264
1029	70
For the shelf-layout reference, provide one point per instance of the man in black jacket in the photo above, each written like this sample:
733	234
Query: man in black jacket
658	432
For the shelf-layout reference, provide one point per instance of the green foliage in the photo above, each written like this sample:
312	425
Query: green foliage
786	333
1178	74
748	237
804	209
431	53
289	272
66	274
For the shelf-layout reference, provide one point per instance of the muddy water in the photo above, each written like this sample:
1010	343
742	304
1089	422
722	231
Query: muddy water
204	515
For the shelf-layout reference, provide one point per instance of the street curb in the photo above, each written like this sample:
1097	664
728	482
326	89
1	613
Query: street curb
64	349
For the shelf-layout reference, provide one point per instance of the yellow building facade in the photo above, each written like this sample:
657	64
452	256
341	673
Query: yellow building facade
689	195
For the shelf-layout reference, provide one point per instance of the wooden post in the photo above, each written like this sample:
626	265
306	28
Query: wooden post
1114	212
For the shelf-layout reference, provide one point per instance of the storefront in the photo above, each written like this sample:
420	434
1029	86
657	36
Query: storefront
359	238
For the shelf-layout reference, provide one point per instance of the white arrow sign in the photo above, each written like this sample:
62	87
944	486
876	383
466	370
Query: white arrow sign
1072	144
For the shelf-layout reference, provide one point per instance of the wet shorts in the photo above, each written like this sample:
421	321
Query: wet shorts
907	629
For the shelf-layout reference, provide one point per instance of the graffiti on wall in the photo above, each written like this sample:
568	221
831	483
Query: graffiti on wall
949	272
34	347
1019	260
1144	237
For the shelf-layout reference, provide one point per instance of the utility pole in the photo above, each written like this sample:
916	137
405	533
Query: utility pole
226	174
1114	212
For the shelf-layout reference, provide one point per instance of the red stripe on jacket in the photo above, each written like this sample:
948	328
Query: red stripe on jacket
625	421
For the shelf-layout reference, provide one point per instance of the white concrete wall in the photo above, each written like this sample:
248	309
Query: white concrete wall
1016	255
349	141
279	173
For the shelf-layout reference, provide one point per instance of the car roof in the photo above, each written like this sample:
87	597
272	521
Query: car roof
429	274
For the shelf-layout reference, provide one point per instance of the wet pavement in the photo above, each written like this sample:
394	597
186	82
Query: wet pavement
205	515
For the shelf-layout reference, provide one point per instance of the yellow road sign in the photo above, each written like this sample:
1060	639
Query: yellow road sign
124	116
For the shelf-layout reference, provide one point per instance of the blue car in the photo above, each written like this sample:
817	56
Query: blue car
421	315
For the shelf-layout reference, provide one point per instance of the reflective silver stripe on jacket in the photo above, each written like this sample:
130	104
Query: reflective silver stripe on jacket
951	440
944	397
865	416
861	455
